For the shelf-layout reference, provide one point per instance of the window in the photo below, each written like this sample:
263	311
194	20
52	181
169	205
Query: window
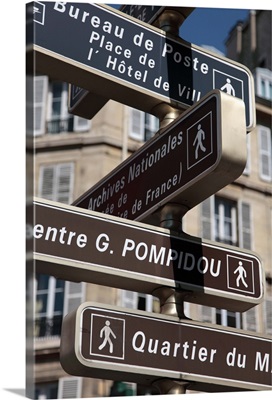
138	301
145	302
81	124
56	182
74	295
54	299
221	317
59	98
263	83
58	118
221	220
228	318
47	109
142	125
36	94
247	320
265	153
136	126
225	217
49	305
151	126
245	233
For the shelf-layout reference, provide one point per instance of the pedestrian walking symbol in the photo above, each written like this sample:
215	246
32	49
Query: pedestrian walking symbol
240	270
107	332
228	88
107	336
240	275
199	140
228	84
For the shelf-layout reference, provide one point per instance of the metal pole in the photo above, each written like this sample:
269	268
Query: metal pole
170	21
171	300
168	386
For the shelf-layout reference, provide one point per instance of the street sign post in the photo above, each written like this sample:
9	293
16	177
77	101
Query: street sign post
79	245
199	153
121	58
142	347
150	14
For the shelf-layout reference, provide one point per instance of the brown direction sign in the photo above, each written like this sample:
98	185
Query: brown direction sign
80	245
119	57
136	346
198	154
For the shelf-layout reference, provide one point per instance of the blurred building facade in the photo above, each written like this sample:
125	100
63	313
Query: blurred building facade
71	154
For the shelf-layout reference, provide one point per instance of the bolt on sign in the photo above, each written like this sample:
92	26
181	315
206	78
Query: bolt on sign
119	57
143	347
79	245
199	153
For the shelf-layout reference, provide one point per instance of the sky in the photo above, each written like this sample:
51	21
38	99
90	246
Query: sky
211	26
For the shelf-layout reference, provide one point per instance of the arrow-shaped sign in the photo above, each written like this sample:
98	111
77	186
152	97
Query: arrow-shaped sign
118	57
86	104
199	153
80	245
118	344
